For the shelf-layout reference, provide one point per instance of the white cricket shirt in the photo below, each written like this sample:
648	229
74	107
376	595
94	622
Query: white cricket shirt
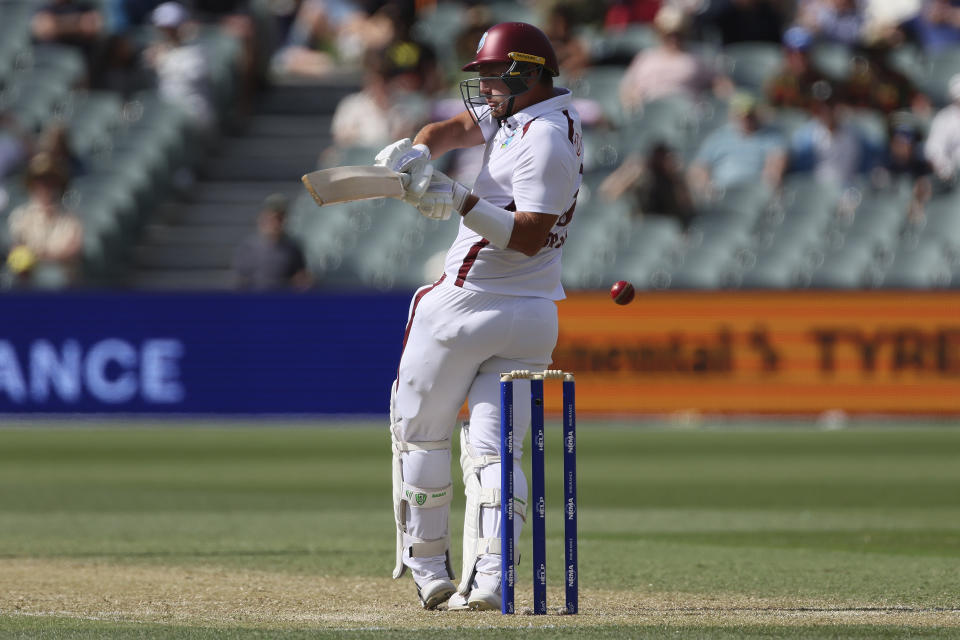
533	162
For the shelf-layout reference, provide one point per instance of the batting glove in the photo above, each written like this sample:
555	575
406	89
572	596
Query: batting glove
443	196
413	159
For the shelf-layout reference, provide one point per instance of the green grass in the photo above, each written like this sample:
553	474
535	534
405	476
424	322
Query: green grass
863	517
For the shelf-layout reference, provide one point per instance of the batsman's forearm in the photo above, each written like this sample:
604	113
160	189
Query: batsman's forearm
491	222
456	133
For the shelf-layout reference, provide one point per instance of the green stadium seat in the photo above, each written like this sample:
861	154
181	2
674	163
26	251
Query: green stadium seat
622	44
939	69
64	62
711	266
922	267
602	85
655	244
834	59
94	118
778	270
845	269
908	59
751	64
673	120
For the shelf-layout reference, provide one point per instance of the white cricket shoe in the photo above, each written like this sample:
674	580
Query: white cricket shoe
458	602
478	600
481	600
435	592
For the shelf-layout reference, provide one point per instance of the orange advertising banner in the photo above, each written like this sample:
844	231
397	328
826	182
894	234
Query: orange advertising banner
769	352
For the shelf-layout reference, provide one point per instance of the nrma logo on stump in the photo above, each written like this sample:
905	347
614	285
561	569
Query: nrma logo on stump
111	371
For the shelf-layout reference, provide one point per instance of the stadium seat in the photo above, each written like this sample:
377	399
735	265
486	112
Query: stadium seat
876	222
603	151
908	59
94	118
939	69
834	59
751	64
621	45
60	61
602	85
778	269
350	156
922	267
711	266
846	269
656	243
35	97
14	37
672	120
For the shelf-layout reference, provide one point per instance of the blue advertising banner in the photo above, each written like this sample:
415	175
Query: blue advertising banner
199	353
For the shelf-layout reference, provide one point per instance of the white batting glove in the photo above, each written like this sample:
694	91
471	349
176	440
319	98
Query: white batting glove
413	159
442	197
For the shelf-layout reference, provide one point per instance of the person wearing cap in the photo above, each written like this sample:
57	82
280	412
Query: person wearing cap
180	64
798	83
942	148
42	228
493	309
668	69
269	258
741	152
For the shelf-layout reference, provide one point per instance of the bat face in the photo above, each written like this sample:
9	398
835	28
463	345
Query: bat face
345	184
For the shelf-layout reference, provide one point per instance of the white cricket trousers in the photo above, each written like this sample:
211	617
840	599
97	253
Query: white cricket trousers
457	344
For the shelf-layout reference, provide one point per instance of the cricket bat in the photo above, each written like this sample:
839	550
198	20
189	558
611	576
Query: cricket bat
346	184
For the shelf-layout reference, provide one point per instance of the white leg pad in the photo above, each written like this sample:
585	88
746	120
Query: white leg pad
478	498
406	496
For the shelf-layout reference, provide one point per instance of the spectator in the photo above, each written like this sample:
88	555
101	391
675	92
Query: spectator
622	13
903	163
573	52
181	67
874	84
55	140
827	145
327	34
747	21
942	149
742	151
271	259
936	26
799	83
657	185
42	232
832	20
667	69
374	115
76	23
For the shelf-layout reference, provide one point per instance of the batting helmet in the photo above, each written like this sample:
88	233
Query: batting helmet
515	42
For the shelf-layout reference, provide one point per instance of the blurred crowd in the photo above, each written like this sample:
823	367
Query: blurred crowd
844	92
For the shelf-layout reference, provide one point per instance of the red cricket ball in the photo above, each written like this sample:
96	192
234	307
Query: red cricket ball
622	292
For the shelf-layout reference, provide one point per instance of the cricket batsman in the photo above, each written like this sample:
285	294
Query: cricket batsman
493	309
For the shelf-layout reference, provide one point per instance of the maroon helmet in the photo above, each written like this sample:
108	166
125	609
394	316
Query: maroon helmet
516	42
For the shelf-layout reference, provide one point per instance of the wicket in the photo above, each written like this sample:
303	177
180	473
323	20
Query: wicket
538	501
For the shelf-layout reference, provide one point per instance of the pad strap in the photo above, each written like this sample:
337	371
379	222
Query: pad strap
427	498
414	547
420	446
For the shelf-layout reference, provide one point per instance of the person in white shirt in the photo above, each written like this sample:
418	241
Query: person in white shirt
942	149
183	76
492	310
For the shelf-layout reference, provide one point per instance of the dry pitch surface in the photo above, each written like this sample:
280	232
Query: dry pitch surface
216	597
